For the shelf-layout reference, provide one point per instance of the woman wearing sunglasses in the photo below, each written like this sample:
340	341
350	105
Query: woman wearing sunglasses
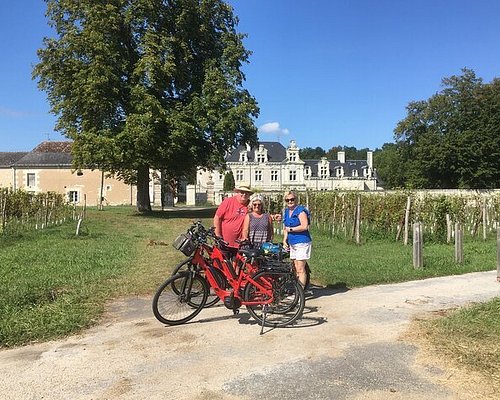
258	225
296	234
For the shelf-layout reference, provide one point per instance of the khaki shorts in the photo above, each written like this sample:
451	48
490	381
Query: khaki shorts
300	251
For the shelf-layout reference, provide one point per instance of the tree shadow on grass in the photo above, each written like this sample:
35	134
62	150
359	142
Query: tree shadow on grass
181	212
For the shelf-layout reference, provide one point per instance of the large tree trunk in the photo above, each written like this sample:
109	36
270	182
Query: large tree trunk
143	201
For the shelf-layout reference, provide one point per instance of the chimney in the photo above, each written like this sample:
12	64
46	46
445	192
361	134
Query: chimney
341	156
369	159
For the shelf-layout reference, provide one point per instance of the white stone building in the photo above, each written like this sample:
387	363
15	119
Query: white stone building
270	167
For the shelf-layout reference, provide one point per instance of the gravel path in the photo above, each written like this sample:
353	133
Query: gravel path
347	346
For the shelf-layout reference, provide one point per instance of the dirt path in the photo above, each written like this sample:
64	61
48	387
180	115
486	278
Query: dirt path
347	346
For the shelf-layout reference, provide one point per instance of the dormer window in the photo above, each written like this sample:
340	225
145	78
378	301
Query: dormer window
355	173
307	172
323	172
243	156
261	154
339	173
292	152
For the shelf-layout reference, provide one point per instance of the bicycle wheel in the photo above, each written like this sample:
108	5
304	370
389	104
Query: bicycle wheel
287	297
187	265
180	298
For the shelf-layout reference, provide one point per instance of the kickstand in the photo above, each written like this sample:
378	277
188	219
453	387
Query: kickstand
264	313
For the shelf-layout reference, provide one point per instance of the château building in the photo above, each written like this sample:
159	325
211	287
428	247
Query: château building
270	167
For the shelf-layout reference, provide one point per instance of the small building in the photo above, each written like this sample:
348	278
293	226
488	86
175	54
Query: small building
48	167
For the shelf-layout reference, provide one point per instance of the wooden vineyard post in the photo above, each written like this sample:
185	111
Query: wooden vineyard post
418	260
498	254
358	219
407	218
459	244
334	215
448	228
485	219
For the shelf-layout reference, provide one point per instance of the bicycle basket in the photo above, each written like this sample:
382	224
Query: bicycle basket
185	244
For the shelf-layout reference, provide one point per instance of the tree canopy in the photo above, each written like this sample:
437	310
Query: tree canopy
147	84
452	140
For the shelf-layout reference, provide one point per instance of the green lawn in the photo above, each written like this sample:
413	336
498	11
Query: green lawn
384	261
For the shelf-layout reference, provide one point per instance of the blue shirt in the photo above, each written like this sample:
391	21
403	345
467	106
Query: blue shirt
293	221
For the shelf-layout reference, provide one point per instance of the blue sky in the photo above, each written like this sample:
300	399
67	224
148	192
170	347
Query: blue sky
324	72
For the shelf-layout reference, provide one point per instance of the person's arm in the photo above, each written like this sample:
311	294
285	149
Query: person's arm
246	227
218	225
270	230
285	236
304	224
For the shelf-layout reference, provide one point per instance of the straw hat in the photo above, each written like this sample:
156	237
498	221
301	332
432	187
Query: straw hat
243	188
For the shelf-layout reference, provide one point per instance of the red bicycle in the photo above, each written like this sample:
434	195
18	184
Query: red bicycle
268	288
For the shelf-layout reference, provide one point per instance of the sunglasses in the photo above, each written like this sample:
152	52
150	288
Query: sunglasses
290	199
256	204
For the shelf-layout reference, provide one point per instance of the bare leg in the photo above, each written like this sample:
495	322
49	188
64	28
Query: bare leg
300	269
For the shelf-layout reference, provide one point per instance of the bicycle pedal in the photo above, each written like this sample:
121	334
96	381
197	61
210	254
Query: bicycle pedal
236	312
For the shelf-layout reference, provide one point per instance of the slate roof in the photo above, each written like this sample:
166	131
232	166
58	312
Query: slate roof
276	152
47	154
7	159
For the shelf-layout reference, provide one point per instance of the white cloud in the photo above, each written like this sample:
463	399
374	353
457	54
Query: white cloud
11	113
273	128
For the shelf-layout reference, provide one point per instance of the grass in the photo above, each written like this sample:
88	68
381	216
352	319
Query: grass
55	284
379	261
468	337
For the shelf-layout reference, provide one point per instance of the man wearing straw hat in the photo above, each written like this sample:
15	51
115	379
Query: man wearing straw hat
229	217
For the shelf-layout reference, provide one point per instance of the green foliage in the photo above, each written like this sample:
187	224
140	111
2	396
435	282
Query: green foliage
143	84
308	153
228	181
383	214
391	170
21	211
452	139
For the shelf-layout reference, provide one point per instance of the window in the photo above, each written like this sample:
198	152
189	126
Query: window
258	176
293	175
261	158
323	172
355	172
30	181
243	157
239	175
340	172
274	176
307	172
292	157
73	196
